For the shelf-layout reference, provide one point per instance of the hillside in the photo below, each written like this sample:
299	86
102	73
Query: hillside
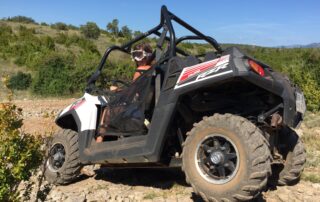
57	60
311	45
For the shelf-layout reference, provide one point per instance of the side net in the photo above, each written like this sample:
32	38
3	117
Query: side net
127	107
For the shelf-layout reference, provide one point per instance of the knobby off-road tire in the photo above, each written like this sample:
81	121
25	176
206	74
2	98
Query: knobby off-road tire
253	156
295	158
63	170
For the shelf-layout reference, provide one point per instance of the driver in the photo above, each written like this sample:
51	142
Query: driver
142	55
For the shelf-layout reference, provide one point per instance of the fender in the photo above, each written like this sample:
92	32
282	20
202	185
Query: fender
82	114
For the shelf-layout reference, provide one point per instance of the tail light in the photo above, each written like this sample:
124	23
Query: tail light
256	67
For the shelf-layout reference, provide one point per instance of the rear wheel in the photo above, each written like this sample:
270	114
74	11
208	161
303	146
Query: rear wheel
294	155
226	158
63	164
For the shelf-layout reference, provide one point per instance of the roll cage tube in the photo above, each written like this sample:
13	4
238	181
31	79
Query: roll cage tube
165	20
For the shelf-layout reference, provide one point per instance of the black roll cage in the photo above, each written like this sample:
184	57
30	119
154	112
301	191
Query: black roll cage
166	18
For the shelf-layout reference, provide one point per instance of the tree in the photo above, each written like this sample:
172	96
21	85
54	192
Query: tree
136	33
90	30
113	27
22	19
126	32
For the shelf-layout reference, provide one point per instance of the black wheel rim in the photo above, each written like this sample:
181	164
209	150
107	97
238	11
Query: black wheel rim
217	159
56	157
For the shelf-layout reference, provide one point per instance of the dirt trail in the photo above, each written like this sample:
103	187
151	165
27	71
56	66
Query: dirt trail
131	184
39	115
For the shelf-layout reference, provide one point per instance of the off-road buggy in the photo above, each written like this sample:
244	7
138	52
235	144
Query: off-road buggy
223	116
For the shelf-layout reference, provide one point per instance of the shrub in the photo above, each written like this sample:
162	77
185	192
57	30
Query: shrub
90	30
73	27
44	24
6	35
24	31
53	75
61	38
20	153
201	50
308	84
301	65
19	81
47	42
60	26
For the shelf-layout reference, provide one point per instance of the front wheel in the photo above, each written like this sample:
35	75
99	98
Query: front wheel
226	158
63	164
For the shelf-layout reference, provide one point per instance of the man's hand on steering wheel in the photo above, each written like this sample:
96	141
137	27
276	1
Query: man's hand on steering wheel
116	82
114	88
115	85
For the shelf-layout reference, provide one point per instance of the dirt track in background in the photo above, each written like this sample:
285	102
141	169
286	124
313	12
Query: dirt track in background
133	184
39	115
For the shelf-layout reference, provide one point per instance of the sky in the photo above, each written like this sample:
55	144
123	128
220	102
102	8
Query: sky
256	22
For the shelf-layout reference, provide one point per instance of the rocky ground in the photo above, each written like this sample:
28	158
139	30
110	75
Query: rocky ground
128	184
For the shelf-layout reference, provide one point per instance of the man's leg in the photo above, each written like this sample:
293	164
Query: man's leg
103	125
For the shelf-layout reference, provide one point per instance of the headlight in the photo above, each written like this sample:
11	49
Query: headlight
300	102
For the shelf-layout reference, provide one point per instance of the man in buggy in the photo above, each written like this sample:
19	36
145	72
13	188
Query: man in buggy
142	55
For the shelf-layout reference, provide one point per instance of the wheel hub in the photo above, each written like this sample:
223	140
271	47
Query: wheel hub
56	157
217	157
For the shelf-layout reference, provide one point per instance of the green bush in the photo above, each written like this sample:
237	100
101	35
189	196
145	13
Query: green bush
90	30
61	38
20	153
22	19
53	75
19	81
24	46
300	64
6	35
307	82
73	27
60	26
47	42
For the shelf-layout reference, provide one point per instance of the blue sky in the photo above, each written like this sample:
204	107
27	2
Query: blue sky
266	23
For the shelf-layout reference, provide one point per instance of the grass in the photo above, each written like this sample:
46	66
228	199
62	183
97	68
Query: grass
312	177
312	120
311	140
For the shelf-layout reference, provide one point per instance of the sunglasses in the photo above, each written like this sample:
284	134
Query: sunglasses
139	55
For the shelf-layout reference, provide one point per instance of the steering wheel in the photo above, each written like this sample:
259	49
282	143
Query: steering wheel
115	82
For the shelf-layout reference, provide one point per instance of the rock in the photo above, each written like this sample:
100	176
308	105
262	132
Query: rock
76	197
90	170
283	197
316	186
55	195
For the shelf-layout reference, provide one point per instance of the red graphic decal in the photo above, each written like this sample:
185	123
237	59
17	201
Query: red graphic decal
189	72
